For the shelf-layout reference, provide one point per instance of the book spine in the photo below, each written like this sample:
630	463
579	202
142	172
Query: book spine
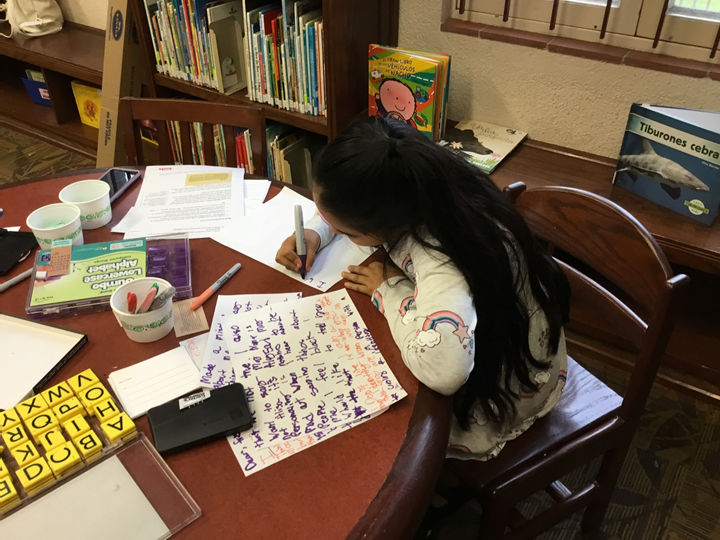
321	68
163	66
313	69
191	41
183	66
275	61
247	53
306	72
153	37
248	152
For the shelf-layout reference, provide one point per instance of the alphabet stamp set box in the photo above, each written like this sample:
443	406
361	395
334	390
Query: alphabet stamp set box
94	271
73	438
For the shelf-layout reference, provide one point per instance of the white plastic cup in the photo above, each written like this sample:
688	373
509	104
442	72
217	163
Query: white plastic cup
56	222
92	197
148	326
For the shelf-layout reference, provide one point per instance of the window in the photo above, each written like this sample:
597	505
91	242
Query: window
690	28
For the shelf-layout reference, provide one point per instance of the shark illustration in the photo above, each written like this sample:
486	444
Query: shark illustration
671	176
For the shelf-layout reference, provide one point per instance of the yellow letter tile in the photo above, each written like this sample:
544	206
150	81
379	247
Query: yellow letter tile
51	438
36	476
15	436
8	419
3	469
57	394
120	427
31	406
77	425
105	410
94	394
25	453
68	409
84	379
40	423
89	446
64	459
9	497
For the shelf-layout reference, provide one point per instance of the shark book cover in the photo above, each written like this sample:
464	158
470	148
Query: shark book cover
671	156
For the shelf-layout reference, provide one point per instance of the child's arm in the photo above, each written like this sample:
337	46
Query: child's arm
317	224
317	236
434	323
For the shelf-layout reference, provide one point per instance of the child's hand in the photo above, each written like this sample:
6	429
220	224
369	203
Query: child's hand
288	257
366	279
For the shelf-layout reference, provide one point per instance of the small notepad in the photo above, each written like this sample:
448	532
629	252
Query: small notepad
154	381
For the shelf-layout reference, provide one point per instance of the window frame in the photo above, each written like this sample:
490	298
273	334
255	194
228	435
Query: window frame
633	24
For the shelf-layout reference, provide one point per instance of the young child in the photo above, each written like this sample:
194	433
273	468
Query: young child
475	306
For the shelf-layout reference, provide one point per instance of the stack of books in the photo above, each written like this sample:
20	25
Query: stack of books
410	86
290	153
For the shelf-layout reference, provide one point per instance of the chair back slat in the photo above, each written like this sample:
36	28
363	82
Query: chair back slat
163	135
211	157
231	147
597	313
602	235
185	141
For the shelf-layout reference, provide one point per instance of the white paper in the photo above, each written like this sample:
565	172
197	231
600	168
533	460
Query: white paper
154	381
216	370
255	193
102	502
260	234
170	206
132	220
195	347
12	229
310	369
29	351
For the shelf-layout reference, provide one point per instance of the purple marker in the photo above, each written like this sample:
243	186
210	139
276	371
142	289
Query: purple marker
300	239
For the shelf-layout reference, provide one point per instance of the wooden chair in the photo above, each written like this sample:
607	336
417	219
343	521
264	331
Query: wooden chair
134	111
590	420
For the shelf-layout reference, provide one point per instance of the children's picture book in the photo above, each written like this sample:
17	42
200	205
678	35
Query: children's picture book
409	86
671	156
482	143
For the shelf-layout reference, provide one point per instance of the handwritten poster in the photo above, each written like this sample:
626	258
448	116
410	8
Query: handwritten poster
215	367
311	370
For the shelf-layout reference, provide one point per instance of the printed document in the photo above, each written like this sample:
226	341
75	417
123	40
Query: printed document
199	200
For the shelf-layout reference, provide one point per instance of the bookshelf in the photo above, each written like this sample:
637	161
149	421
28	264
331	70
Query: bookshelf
75	53
349	27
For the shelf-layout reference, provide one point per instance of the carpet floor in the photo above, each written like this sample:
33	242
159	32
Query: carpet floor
23	157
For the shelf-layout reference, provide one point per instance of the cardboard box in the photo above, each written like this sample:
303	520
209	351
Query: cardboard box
124	71
88	100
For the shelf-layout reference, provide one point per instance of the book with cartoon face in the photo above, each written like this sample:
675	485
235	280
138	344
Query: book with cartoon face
409	86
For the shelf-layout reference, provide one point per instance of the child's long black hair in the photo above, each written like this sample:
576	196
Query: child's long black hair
383	177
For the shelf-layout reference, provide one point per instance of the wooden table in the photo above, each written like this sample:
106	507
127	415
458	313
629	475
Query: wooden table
684	240
371	481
